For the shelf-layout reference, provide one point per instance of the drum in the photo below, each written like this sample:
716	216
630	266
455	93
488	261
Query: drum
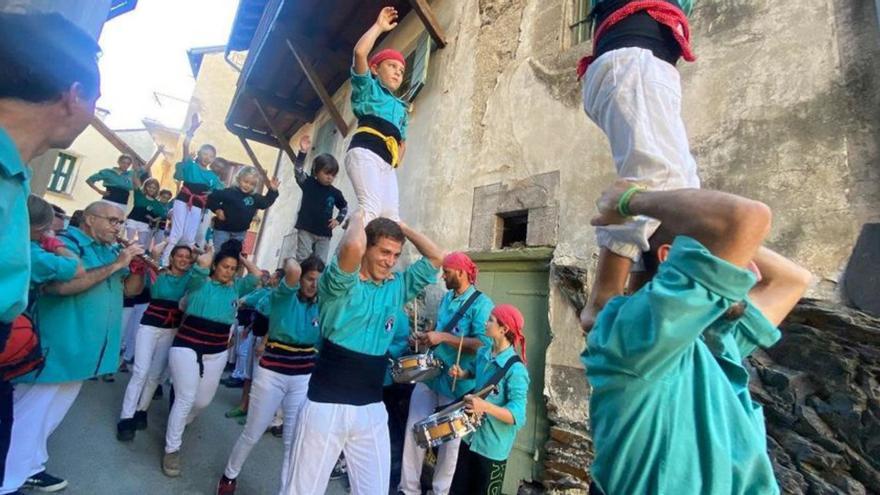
415	368
444	426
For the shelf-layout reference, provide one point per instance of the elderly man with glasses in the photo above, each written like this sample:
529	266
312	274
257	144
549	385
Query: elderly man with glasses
80	321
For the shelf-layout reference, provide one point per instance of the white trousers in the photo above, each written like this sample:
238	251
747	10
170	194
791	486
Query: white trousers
323	431
374	183
635	98
131	321
185	223
269	391
150	363
37	410
244	350
422	404
192	392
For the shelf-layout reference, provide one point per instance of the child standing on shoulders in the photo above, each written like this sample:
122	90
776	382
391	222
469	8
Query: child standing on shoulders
147	209
379	142
482	457
198	181
315	221
234	207
159	225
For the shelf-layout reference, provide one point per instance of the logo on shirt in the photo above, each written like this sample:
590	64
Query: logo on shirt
315	322
456	330
248	201
389	324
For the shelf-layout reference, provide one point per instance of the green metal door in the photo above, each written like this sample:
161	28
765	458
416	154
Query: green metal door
522	278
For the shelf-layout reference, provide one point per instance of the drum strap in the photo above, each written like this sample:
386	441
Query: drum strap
495	380
460	313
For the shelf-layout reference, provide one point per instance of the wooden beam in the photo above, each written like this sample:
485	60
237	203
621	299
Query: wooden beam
282	143
426	14
286	104
319	88
254	160
115	140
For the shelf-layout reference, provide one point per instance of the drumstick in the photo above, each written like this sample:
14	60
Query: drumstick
416	322
457	360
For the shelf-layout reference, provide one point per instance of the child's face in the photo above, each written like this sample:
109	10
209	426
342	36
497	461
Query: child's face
206	157
151	189
390	72
247	184
325	178
124	164
165	197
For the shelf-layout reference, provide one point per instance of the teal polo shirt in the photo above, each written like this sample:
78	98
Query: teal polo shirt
494	439
399	343
370	97
110	177
50	267
170	287
259	300
15	264
193	173
292	320
471	325
670	407
360	314
80	334
206	298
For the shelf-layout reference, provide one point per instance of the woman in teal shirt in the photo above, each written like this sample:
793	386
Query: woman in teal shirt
154	336
198	353
147	209
482	456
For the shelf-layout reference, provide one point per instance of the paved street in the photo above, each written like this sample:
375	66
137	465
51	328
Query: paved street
84	449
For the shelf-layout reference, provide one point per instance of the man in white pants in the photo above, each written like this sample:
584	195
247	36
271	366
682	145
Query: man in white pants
461	319
359	298
80	321
632	91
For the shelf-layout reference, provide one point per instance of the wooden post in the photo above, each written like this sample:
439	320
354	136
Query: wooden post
282	143
319	88
423	10
254	160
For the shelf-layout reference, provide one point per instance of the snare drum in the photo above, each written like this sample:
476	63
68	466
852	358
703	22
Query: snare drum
444	426
415	368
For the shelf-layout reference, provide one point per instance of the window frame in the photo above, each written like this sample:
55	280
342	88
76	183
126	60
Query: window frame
580	29
408	91
69	177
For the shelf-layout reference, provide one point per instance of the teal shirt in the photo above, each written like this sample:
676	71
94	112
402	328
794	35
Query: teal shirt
471	325
670	407
192	172
259	300
370	97
360	314
494	439
154	207
292	320
15	264
80	334
206	298
685	5
110	177
399	343
170	287
49	267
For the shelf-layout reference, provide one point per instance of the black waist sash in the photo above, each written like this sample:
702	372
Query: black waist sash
116	195
289	359
162	313
203	336
342	376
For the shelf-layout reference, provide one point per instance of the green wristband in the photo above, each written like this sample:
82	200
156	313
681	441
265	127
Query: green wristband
623	202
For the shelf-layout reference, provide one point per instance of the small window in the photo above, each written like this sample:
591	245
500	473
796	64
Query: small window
62	175
416	72
580	28
514	229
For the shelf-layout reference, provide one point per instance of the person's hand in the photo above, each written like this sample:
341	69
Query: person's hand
588	318
607	204
475	405
292	268
194	124
432	338
333	223
261	348
387	19
305	143
158	249
274	183
128	253
104	193
457	372
204	259
220	215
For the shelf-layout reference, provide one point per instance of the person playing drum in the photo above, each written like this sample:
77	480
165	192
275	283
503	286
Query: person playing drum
467	330
482	458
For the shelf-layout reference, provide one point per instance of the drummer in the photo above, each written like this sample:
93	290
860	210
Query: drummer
482	458
460	276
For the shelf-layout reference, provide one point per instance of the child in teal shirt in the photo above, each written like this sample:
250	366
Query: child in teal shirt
482	457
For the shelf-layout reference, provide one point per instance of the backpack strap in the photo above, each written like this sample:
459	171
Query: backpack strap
460	313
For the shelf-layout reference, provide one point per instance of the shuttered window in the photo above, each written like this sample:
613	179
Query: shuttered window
417	68
62	173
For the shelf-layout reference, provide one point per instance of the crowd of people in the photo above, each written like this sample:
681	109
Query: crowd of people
684	291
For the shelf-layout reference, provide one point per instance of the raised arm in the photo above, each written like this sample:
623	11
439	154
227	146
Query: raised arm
193	126
292	272
353	244
299	164
386	21
730	226
147	170
250	266
782	284
424	245
94	276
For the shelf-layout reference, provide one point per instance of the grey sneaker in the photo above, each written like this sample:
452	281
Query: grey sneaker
45	482
171	464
